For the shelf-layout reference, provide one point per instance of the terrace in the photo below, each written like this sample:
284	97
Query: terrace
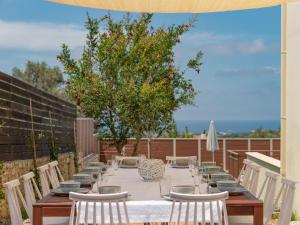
44	143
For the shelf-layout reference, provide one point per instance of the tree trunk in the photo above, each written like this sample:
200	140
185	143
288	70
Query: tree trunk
119	147
136	145
150	146
76	153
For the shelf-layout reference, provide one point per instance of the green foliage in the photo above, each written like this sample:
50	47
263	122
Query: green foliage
186	133
126	77
54	153
75	157
174	133
294	216
275	216
24	214
257	133
265	133
42	76
53	147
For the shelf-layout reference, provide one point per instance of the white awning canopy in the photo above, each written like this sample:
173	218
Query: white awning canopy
173	6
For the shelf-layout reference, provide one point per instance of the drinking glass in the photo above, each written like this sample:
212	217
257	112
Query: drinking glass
141	159
197	182
115	165
203	188
191	164
104	179
165	186
97	177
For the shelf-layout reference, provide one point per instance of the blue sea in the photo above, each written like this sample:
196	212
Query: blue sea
227	126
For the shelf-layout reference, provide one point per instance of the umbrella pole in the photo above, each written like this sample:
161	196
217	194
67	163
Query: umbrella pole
213	155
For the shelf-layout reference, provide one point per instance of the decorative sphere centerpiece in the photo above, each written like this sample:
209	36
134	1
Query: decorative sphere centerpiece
151	169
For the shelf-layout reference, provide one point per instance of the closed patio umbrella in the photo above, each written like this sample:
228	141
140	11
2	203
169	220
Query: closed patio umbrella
212	144
174	6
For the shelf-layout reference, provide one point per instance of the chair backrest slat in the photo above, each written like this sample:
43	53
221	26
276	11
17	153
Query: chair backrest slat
195	213
253	181
111	219
71	221
102	213
267	194
244	175
219	213
179	213
45	179
78	214
203	213
210	202
86	214
286	195
250	177
94	213
211	213
187	213
119	213
109	206
172	212
13	193
31	190
225	213
55	174
126	212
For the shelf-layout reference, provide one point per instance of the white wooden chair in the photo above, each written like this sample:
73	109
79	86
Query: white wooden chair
286	197
55	174
45	178
197	205
208	163
13	195
90	205
267	194
172	159
31	191
245	172
253	181
250	178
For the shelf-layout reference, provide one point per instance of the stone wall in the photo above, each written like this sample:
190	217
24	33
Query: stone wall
14	169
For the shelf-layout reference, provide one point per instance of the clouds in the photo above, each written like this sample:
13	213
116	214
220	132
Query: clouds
254	47
224	44
260	71
39	36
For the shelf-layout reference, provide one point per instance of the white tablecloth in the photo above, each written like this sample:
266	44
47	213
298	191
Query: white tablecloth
130	181
145	203
149	211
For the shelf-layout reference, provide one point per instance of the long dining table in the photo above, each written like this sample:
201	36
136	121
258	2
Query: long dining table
145	204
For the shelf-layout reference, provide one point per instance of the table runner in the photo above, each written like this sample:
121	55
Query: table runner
131	181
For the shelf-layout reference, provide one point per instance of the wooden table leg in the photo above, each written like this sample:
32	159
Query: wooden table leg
258	216
37	216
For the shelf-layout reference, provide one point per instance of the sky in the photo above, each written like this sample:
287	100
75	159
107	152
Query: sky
240	76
